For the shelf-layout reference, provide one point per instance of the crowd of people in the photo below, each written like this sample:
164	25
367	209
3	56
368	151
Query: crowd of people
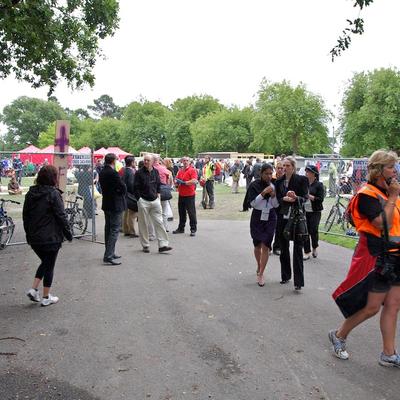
276	193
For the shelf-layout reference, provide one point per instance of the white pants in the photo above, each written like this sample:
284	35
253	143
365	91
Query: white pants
151	211
165	206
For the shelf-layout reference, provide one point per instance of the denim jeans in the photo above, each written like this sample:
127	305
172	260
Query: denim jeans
111	231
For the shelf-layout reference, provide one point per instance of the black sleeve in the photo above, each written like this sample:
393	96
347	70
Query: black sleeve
369	206
120	186
319	192
136	184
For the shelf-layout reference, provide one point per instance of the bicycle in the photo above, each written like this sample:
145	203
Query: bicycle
7	224
337	213
76	215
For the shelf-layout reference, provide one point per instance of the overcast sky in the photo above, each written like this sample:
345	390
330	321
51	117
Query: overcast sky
169	49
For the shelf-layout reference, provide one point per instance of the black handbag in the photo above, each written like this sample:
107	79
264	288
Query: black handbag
387	263
165	192
296	226
131	202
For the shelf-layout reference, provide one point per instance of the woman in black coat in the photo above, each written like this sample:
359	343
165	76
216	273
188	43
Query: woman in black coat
313	209
46	225
291	191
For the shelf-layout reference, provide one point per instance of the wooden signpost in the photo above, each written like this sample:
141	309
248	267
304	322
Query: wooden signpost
61	145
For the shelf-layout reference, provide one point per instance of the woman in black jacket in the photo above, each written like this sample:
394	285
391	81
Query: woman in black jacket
291	191
46	225
313	209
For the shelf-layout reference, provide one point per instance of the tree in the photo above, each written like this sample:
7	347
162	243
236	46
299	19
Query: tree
26	117
104	107
44	41
106	133
371	112
289	120
144	127
355	27
226	130
82	133
185	112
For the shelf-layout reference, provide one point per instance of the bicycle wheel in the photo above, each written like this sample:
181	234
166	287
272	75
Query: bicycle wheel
331	218
79	222
6	232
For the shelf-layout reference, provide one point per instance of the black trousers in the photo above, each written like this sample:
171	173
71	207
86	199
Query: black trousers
210	192
186	204
286	271
48	261
113	220
276	245
313	219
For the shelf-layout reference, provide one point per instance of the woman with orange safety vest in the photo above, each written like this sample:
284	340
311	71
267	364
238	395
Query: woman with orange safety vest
373	281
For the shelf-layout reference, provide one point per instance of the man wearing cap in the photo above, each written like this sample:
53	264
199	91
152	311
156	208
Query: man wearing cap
313	207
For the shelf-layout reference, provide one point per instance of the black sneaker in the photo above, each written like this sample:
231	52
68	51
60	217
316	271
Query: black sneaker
178	231
192	233
146	250
164	248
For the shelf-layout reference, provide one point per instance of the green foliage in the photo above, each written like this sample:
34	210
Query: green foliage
104	107
81	133
355	27
222	131
26	117
43	41
105	133
143	127
289	120
371	113
185	112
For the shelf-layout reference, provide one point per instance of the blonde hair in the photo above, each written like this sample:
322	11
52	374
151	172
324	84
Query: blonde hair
378	160
292	161
168	162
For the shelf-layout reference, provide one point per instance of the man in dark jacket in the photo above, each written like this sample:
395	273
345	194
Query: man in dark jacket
114	204
130	214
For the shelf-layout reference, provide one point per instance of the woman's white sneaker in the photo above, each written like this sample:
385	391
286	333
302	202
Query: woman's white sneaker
50	300
33	295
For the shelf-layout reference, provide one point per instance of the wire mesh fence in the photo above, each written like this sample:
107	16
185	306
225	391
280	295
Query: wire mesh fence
342	178
18	172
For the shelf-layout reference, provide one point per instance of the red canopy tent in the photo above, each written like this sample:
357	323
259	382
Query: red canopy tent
121	154
31	154
100	153
85	150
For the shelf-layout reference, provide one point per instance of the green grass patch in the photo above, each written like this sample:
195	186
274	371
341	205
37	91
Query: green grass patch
348	242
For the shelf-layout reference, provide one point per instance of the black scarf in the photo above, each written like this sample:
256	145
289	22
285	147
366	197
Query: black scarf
255	188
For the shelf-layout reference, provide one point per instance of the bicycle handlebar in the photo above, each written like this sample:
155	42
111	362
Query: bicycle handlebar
9	201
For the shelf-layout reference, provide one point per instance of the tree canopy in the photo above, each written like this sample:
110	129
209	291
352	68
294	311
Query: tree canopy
26	117
44	41
290	120
371	112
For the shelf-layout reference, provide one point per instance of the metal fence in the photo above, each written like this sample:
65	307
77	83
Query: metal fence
17	174
342	178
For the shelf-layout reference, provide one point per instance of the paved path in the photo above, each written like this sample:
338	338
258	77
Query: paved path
192	324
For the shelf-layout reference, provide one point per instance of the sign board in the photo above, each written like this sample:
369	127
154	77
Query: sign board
61	145
81	159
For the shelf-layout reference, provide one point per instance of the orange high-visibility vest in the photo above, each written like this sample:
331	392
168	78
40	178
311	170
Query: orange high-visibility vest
362	223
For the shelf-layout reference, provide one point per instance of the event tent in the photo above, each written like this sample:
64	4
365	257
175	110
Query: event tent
30	154
118	152
85	150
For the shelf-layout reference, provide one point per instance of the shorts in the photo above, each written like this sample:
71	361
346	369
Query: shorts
380	284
